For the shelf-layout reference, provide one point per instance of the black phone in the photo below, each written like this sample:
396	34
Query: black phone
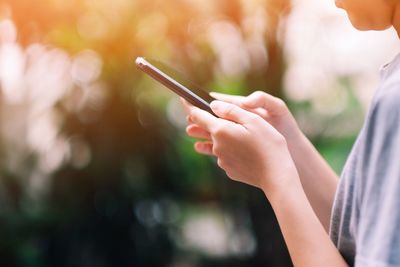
176	82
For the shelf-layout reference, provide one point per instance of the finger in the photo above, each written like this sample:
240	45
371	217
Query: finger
232	112
234	99
262	100
203	119
189	119
186	105
238	100
263	113
204	147
197	132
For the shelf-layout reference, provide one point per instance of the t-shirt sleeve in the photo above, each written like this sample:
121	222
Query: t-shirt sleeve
378	233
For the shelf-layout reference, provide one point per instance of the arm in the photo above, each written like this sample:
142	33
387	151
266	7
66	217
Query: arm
318	179
251	151
307	241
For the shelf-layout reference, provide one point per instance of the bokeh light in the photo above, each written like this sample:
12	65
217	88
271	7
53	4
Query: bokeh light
96	169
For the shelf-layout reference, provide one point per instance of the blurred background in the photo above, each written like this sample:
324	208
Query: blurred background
95	166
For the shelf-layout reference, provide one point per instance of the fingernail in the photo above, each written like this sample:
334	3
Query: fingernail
213	94
216	104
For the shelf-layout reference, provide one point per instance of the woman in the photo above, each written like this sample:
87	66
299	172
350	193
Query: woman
325	221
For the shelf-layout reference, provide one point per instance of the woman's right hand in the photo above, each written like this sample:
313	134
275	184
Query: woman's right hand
318	179
270	108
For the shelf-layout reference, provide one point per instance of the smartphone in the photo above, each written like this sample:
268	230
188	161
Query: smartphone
176	82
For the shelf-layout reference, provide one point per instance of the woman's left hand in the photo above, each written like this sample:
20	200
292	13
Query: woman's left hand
248	148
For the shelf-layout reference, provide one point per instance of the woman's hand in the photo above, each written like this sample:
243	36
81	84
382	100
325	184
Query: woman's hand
248	148
317	178
268	107
251	150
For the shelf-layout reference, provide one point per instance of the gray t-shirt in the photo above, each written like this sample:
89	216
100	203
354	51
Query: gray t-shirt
365	223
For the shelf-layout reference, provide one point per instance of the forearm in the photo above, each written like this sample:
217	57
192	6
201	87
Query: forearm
318	179
308	243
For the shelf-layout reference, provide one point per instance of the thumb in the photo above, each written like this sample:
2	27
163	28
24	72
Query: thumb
262	100
234	99
232	112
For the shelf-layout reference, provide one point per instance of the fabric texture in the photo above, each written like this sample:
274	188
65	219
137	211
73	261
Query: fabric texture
365	222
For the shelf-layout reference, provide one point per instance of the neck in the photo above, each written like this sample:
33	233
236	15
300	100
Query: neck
396	19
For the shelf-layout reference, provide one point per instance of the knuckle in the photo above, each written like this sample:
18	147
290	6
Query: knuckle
258	93
220	163
216	150
260	96
254	119
230	109
280	103
220	131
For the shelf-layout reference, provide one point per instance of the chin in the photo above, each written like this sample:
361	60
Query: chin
361	27
368	27
365	25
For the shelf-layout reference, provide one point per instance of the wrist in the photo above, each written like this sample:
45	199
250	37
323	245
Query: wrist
288	194
295	136
288	183
297	141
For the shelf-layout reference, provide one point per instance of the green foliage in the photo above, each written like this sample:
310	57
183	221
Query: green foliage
129	203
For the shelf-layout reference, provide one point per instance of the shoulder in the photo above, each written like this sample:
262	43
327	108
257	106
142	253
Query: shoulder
390	82
383	121
387	102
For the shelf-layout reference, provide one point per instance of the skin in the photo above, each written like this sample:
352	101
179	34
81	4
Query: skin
310	165
371	14
257	142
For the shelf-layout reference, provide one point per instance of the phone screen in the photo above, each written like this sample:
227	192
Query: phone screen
177	82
